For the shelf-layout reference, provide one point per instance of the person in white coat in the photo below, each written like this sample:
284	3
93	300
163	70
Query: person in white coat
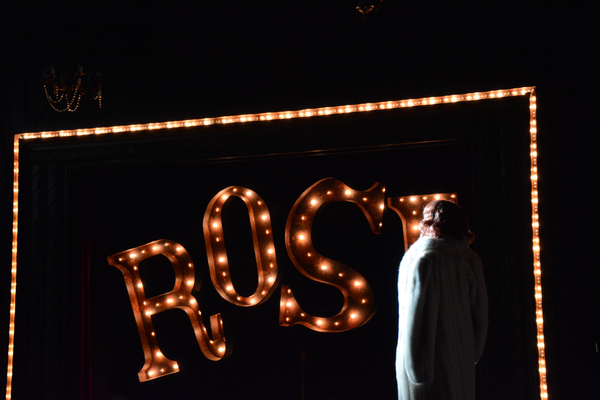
443	309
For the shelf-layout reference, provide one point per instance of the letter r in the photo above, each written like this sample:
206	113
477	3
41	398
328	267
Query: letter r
128	262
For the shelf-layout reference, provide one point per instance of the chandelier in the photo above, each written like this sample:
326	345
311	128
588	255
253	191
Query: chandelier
67	89
367	6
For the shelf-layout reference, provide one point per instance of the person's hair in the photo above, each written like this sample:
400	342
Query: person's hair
443	218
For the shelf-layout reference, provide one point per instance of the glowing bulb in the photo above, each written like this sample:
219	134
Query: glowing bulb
264	217
313	202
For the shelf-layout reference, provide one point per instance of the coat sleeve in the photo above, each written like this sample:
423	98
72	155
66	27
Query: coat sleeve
479	308
420	322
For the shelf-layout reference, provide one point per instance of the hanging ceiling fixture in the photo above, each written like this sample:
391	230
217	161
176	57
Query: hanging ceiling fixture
70	88
367	6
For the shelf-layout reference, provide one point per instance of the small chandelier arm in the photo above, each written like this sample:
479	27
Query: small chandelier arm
59	88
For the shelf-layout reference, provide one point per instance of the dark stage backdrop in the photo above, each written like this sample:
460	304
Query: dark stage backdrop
85	198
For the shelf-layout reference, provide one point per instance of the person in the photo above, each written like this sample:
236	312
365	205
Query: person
443	309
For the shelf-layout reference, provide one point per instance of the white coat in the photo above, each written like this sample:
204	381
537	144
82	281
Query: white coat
442	322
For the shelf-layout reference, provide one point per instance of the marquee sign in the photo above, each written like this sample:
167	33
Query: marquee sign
355	299
359	304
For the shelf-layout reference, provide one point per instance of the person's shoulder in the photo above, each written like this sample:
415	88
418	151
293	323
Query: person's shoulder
426	247
424	243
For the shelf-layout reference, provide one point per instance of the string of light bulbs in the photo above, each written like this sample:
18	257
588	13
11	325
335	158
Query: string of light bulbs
306	113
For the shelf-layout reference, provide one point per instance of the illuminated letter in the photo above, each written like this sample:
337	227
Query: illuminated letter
359	303
410	211
262	237
156	364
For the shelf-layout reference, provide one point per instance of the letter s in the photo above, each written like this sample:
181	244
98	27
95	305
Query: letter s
359	304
